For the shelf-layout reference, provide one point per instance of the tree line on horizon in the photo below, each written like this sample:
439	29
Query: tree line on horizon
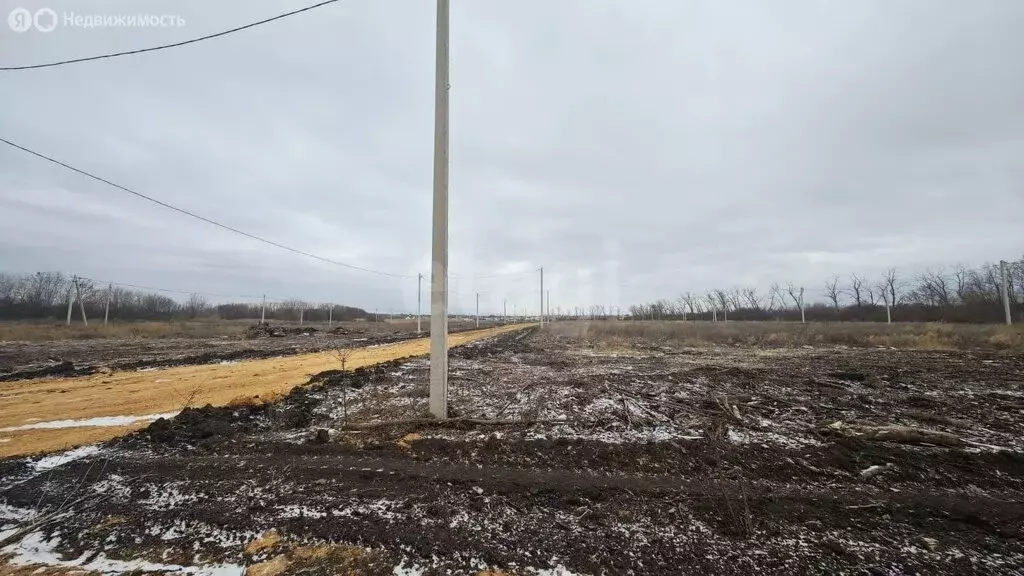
45	296
959	294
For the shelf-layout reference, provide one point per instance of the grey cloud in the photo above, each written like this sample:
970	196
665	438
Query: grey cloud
634	149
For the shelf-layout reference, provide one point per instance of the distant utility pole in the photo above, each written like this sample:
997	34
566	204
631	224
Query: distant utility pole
541	296
81	303
803	319
439	248
419	301
549	305
302	312
504	310
106	310
330	315
71	301
263	310
477	309
1006	293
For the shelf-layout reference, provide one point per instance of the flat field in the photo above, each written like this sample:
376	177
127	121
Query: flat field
64	411
573	450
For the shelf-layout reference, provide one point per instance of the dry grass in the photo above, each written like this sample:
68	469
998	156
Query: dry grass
925	336
47	332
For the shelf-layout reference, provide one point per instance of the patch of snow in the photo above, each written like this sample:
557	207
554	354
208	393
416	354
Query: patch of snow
88	422
49	462
411	570
35	549
558	570
167	497
8	512
297	511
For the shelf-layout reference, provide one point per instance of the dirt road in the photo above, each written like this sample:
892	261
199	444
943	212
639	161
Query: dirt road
32	403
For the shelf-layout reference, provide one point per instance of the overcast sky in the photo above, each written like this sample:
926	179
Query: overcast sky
636	149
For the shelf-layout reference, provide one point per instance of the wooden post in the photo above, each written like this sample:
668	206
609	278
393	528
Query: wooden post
106	310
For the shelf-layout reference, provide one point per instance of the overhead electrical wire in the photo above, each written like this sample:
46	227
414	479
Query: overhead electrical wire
174	291
166	46
203	218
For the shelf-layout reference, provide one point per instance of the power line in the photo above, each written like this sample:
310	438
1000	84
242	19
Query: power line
165	46
203	218
172	290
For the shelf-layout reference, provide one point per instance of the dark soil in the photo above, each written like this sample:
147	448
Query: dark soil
621	486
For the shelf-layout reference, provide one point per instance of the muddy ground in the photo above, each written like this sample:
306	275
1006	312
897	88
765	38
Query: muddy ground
21	360
598	459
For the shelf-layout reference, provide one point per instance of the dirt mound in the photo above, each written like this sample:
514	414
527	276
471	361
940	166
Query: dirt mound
261	330
265	330
200	425
64	368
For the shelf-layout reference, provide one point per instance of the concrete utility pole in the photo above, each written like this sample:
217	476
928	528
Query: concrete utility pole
81	303
1006	293
548	294
803	319
541	296
477	309
106	310
71	302
330	315
439	248
419	301
504	310
263	310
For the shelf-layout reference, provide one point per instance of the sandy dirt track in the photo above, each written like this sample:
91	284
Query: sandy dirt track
140	393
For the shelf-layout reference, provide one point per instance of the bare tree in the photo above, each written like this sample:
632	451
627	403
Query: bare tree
723	298
776	297
891	286
195	305
932	289
794	293
857	289
753	301
832	291
961	276
712	301
691	302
